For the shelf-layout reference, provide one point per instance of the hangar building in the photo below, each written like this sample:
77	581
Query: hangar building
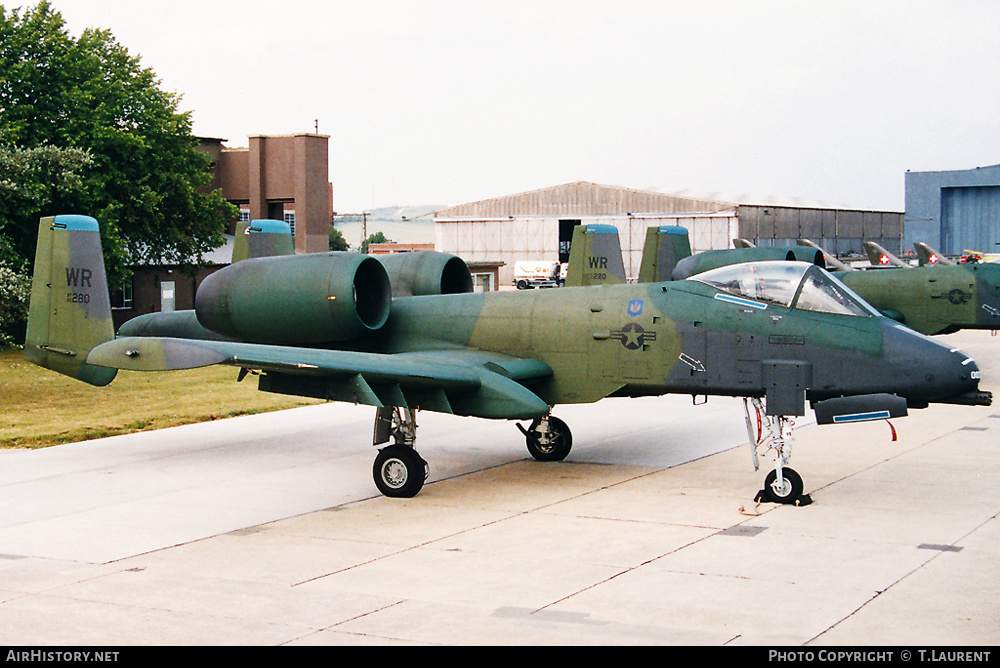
538	225
955	210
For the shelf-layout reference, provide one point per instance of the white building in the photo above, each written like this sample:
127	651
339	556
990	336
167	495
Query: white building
538	225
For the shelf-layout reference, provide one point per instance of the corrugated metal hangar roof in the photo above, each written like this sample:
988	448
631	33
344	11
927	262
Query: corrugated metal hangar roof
582	198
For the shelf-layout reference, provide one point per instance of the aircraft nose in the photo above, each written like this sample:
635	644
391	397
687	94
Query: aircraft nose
930	371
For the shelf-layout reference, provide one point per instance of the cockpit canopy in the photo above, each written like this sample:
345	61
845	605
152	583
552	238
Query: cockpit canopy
791	284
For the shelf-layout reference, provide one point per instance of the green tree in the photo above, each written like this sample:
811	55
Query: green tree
377	238
31	179
337	240
147	184
15	288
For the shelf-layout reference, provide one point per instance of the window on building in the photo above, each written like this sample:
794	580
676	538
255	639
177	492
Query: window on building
121	298
482	282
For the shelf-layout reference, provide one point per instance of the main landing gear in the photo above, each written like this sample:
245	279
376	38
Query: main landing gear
783	484
548	439
400	472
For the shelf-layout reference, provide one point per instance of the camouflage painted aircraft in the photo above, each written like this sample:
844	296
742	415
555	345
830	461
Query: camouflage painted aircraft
936	297
931	299
327	325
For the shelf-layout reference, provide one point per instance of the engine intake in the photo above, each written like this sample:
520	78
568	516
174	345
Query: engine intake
426	273
296	299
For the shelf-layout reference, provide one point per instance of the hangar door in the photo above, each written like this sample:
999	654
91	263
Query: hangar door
566	237
970	219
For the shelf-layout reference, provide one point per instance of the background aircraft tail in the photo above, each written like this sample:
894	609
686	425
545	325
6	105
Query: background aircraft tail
665	246
595	256
70	310
832	263
262	238
927	255
880	257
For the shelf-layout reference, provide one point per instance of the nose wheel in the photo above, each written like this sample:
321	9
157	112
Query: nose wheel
786	490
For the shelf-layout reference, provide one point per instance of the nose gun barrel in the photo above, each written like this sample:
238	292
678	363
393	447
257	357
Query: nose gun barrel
976	398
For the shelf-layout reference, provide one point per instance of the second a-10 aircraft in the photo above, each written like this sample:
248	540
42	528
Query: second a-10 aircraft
937	297
406	333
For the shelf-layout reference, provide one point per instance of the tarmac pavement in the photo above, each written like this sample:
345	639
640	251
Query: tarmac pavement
268	530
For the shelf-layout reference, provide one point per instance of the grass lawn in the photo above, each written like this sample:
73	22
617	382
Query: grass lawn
39	408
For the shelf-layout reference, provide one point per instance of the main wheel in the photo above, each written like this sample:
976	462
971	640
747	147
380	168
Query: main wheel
789	491
554	446
399	471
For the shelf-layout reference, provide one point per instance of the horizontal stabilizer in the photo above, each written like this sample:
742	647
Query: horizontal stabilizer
154	354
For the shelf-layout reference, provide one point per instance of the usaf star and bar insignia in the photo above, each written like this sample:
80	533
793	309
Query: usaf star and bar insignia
632	335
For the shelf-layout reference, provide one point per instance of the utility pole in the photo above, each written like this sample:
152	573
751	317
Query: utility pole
345	217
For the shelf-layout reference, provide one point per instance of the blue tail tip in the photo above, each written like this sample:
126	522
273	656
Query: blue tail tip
76	222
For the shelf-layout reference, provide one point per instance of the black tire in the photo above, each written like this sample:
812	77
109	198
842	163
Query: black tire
793	488
399	471
557	448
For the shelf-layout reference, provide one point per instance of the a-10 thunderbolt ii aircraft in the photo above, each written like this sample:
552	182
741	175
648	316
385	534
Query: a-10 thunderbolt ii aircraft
327	325
933	298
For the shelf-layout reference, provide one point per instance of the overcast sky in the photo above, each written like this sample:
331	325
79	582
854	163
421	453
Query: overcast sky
452	101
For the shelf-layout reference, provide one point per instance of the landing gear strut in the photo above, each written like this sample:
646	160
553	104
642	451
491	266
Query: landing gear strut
399	471
548	439
783	484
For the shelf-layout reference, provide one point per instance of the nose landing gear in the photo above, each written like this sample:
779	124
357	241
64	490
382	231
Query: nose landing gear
783	484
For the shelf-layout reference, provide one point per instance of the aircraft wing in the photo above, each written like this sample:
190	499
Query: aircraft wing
461	381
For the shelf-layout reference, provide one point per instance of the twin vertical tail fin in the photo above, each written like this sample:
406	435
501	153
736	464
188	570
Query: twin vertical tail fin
262	238
70	310
665	246
595	256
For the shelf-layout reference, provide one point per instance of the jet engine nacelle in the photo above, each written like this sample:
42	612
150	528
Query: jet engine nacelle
696	264
296	299
426	273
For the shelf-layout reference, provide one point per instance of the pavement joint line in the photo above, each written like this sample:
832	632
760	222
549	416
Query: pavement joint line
935	553
496	521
